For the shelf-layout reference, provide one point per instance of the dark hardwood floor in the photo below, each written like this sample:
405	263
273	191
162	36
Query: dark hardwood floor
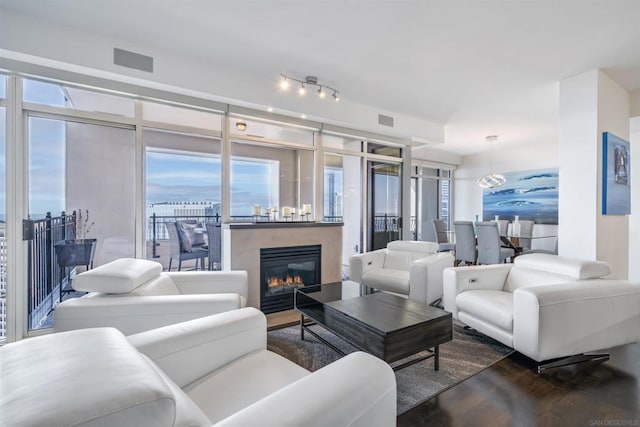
511	393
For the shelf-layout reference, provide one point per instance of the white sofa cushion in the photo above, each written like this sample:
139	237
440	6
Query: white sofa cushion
494	307
117	277
413	246
238	380
388	279
521	278
130	392
578	269
158	285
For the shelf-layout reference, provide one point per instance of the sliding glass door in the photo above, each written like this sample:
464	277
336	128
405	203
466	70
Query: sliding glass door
385	201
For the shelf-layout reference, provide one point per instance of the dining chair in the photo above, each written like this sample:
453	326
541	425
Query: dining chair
215	243
526	231
465	245
504	226
180	247
489	249
442	238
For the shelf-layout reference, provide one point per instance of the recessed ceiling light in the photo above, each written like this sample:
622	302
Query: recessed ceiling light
241	126
270	109
304	116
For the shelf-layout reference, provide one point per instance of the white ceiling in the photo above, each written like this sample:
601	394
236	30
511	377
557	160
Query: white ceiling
478	67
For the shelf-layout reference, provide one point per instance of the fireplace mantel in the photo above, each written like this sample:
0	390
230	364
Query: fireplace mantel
241	244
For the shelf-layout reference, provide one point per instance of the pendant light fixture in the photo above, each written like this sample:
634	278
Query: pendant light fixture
491	180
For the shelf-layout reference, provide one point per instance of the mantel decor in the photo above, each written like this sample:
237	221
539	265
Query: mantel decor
616	175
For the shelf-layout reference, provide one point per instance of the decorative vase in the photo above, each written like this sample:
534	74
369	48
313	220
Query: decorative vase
516	227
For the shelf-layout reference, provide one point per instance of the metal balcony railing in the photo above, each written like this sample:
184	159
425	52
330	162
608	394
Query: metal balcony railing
44	277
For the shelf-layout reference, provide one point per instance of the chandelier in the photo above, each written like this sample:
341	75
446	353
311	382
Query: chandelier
491	180
309	81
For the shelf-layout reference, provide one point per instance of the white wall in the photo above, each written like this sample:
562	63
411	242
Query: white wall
590	104
468	195
578	165
612	235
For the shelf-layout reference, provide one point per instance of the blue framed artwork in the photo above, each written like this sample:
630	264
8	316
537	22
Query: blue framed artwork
616	175
532	195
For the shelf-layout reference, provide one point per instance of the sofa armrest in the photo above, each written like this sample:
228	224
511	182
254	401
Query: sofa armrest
190	350
366	396
461	279
564	319
360	263
425	277
211	282
133	314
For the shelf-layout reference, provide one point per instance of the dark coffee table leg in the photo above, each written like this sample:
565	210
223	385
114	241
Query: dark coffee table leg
302	327
436	358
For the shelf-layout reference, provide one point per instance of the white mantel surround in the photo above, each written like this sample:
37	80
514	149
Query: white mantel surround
241	244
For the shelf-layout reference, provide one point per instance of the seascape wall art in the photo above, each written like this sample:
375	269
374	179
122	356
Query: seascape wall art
532	195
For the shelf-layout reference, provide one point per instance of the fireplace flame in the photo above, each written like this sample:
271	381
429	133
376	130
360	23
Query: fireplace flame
286	281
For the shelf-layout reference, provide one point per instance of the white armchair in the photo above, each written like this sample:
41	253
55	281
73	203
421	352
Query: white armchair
135	295
546	306
214	370
405	267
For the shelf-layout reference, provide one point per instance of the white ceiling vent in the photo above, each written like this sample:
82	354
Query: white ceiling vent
385	120
133	60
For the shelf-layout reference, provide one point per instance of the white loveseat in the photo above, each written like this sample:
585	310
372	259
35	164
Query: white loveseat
135	295
546	306
404	267
214	370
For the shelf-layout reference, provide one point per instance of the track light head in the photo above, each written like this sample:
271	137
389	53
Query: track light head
335	95
302	89
321	93
284	83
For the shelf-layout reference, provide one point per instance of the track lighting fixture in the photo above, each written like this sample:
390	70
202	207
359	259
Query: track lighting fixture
285	83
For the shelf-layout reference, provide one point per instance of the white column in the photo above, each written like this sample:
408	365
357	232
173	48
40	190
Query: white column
590	104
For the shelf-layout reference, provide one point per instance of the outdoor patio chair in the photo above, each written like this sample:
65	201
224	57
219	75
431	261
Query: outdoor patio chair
180	247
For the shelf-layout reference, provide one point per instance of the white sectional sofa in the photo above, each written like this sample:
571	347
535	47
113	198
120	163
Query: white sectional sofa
135	295
546	306
214	370
408	268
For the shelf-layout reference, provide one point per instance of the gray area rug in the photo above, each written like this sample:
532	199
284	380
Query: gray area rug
467	354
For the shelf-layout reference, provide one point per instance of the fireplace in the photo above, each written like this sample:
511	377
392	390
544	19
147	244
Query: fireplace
284	269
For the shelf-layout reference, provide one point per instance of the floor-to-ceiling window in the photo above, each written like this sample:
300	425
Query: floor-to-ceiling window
81	185
343	189
272	170
430	199
3	211
343	199
182	173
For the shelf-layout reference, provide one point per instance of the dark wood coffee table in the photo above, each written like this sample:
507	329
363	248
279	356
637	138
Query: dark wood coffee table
387	326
